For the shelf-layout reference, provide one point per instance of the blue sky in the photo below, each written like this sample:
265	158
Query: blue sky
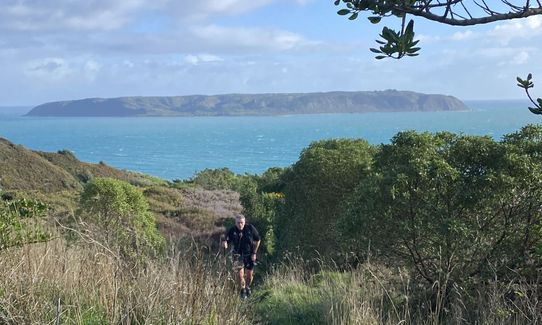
65	49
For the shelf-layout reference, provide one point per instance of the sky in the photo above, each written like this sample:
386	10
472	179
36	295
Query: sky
71	49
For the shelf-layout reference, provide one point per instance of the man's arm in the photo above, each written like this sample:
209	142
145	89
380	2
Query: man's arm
224	239
256	236
255	250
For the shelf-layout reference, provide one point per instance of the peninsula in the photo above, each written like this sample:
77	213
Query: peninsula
254	104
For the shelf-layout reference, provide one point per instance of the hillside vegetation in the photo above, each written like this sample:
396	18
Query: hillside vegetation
429	229
253	104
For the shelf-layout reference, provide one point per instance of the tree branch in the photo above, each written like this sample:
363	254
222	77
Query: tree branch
473	21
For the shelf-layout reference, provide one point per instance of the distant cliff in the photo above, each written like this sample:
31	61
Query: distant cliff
254	104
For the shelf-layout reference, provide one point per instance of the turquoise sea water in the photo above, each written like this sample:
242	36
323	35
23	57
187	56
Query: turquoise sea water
176	148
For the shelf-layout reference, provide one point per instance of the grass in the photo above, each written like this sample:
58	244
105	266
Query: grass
374	294
84	285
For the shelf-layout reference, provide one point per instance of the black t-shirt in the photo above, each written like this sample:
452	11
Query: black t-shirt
243	241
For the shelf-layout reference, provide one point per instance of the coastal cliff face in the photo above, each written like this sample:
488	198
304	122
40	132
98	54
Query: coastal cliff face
254	104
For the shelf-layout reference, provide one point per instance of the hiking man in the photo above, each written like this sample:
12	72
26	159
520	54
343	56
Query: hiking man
246	240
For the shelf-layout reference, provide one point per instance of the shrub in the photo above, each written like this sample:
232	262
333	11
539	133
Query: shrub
118	215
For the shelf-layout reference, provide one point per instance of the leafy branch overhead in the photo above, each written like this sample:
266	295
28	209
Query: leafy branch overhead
397	44
527	84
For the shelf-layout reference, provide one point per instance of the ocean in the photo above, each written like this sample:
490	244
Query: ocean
178	147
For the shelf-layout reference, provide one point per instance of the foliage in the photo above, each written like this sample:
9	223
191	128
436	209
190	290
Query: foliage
452	207
262	204
398	44
72	284
450	12
215	179
118	214
20	223
528	84
316	186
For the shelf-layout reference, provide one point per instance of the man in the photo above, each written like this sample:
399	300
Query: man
246	241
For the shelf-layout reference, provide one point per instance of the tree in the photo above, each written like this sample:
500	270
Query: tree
262	200
117	215
216	179
397	44
326	173
528	84
452	206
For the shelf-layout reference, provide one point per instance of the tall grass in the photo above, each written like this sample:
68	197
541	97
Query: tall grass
58	283
293	293
54	283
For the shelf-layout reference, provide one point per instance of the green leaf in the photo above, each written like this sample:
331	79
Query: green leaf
343	12
374	19
380	57
337	2
354	16
375	50
536	110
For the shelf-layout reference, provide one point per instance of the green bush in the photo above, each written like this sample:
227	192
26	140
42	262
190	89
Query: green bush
118	216
454	208
216	179
21	222
315	188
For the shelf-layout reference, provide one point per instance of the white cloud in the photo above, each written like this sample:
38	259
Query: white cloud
521	58
91	68
201	58
205	9
48	68
460	36
517	29
248	38
37	15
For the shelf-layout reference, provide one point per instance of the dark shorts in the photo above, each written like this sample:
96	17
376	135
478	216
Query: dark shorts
243	261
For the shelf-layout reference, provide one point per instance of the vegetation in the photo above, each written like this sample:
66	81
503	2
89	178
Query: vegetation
528	84
458	208
117	215
327	171
398	44
21	222
428	229
82	284
253	104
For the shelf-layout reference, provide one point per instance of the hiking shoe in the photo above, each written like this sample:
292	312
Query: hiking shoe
248	291
244	294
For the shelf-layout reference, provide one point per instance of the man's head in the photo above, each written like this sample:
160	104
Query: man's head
240	221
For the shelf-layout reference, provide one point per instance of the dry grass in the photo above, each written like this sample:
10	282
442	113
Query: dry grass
221	203
50	282
85	285
373	294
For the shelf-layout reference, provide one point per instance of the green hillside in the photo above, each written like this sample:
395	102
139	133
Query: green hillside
254	104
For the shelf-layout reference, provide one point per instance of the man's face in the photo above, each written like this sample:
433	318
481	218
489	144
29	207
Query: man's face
240	223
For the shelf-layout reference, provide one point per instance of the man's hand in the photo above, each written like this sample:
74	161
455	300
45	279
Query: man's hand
225	244
253	257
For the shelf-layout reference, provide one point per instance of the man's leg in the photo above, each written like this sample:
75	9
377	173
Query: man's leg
249	273
249	277
242	282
